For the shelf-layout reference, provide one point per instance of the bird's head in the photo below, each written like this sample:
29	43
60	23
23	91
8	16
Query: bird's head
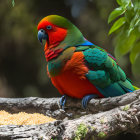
58	30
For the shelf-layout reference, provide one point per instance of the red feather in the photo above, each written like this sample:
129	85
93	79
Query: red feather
72	80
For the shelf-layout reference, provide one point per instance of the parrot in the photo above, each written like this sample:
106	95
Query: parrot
77	67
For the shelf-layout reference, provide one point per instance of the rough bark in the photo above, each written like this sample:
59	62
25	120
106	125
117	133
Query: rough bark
103	117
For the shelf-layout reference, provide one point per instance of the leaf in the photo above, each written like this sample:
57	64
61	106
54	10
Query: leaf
119	2
137	5
136	65
115	13
124	43
117	53
134	52
134	22
129	14
117	24
125	3
13	3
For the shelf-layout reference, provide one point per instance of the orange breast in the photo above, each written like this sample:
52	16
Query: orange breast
72	80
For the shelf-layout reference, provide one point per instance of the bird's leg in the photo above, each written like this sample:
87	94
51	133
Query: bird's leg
87	98
63	101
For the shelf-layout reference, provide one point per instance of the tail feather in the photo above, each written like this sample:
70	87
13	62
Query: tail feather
126	86
136	88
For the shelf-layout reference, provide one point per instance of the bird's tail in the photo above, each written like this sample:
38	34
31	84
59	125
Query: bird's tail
136	88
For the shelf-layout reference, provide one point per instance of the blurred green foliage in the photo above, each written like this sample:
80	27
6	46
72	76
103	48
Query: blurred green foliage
22	61
13	3
127	27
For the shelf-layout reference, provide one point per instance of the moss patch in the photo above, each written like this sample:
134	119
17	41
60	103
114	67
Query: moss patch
93	128
127	107
101	134
81	132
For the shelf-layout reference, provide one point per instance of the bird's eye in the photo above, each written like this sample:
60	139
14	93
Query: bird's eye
49	27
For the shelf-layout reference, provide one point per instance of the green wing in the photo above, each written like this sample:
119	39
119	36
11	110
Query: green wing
105	73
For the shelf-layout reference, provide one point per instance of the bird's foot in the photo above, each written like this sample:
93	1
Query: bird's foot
63	101
86	99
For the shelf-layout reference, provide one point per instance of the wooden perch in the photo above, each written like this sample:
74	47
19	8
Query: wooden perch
103	118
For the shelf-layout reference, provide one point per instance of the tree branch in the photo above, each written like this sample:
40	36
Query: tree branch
103	118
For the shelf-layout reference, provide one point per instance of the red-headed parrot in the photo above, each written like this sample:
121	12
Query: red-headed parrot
77	67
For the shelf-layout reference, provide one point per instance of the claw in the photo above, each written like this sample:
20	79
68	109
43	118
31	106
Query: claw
87	98
63	101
